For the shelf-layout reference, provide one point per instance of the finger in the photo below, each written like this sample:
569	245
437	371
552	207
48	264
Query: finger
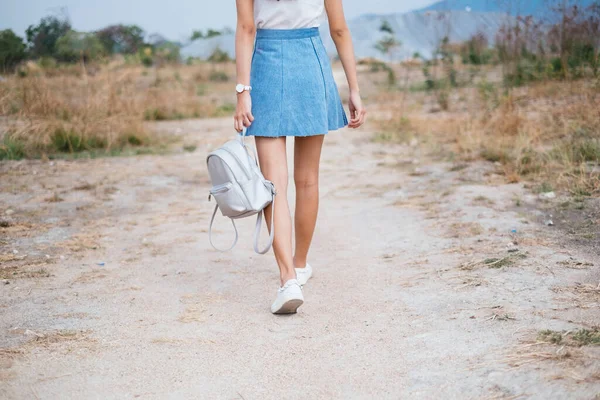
246	122
251	117
361	118
237	126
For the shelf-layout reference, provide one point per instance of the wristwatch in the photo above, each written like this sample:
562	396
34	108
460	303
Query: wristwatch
241	88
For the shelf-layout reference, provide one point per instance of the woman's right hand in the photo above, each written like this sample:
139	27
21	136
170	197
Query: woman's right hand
243	114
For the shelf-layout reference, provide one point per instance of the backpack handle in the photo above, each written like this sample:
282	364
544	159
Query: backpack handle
259	226
212	220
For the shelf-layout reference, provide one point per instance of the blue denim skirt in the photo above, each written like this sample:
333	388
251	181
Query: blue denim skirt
293	90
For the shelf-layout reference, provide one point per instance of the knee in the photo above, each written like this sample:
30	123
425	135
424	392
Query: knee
306	182
280	181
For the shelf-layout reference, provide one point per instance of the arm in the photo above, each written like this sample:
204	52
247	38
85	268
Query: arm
343	42
244	44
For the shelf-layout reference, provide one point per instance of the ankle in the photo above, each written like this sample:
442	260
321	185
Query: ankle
287	275
299	262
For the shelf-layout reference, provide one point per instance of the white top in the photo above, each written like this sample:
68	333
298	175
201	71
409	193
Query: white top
288	14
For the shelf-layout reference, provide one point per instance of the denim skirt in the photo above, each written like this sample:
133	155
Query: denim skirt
293	90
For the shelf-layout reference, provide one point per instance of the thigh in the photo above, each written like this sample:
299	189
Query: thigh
307	156
272	158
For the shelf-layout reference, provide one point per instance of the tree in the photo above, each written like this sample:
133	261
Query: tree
42	38
386	27
388	43
386	46
76	46
197	35
12	50
212	33
122	39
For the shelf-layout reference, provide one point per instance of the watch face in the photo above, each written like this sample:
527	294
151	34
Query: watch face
239	88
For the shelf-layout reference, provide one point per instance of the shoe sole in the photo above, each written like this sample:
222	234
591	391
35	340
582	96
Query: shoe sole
290	307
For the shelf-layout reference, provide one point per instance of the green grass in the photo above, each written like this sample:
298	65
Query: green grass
67	144
550	336
544	187
494	155
11	149
218	76
225	110
587	337
579	338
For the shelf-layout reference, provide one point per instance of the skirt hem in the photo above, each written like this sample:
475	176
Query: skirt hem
298	135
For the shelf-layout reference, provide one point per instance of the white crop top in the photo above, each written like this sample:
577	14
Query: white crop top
288	14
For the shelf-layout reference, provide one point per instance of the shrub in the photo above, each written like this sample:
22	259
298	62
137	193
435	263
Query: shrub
146	56
121	39
566	47
476	50
12	50
218	76
219	56
11	149
76	46
42	38
167	52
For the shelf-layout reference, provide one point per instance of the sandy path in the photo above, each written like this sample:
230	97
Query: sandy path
167	317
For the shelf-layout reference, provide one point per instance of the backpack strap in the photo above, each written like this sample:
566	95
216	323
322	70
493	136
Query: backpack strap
257	230
212	220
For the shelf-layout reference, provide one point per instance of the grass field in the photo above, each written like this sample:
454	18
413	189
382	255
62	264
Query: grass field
547	132
73	110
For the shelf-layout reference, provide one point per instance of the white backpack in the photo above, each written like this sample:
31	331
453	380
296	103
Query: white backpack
239	188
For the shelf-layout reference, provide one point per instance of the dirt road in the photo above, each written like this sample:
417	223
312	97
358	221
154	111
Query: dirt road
415	294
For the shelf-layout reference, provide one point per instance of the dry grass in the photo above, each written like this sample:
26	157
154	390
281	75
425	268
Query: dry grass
547	132
82	242
71	111
507	261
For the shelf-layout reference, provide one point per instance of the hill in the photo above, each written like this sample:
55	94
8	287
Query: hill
537	8
418	31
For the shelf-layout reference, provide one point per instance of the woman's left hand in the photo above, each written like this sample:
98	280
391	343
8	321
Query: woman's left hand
358	114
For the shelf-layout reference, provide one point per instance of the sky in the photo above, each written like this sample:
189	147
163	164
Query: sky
175	19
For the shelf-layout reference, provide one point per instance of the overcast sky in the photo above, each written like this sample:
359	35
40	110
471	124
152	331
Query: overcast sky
175	19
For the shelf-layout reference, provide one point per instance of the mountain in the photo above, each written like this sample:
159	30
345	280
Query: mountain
418	31
537	8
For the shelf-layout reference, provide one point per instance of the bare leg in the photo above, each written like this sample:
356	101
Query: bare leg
273	164
307	156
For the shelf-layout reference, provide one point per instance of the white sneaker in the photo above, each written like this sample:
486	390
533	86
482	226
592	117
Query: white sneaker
304	274
289	298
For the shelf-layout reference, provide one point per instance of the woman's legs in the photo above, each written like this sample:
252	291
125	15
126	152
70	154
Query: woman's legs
273	164
307	156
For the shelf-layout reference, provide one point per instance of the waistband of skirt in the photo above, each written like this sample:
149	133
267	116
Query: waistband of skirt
285	34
